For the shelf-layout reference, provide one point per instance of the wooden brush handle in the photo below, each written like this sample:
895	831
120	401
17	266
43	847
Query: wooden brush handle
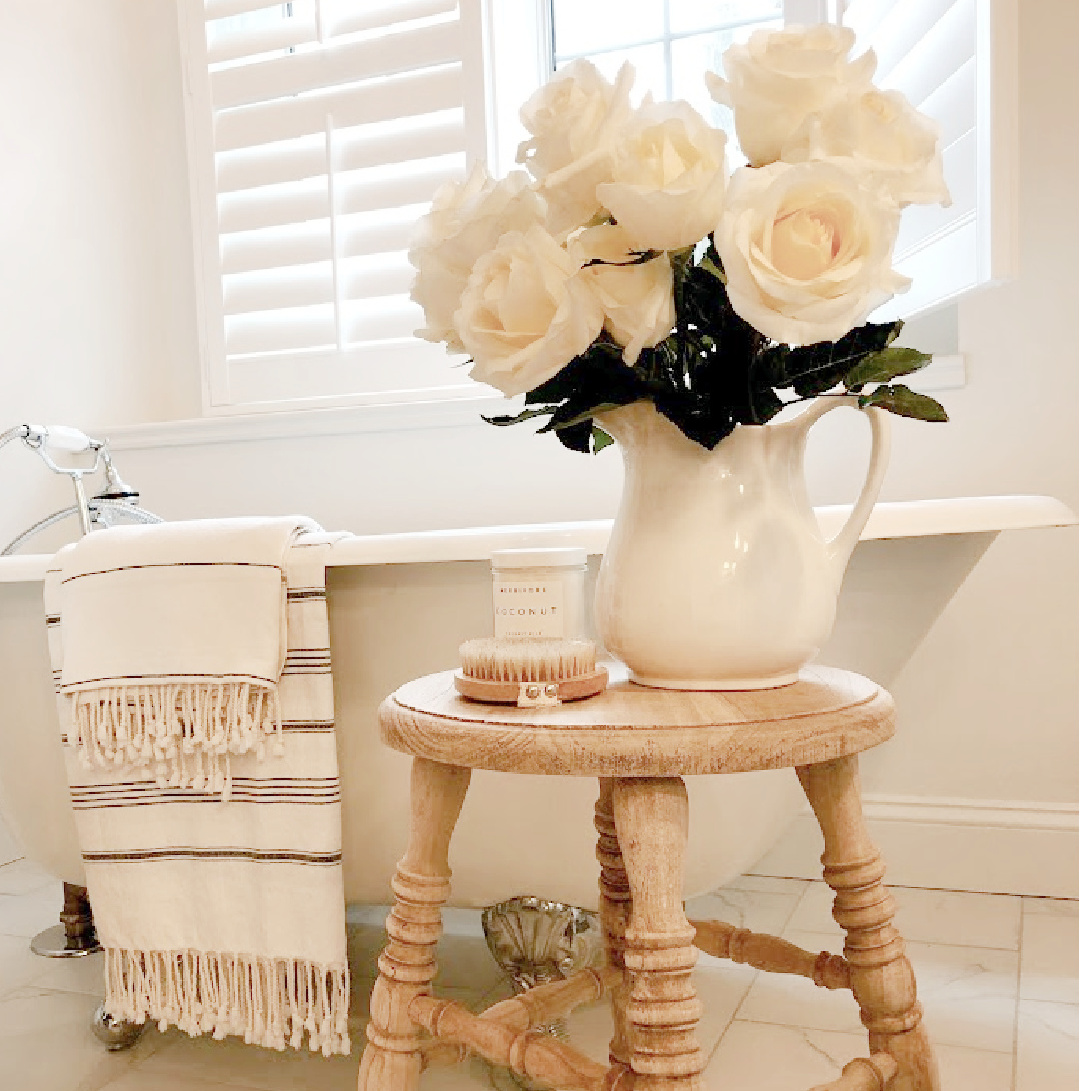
512	693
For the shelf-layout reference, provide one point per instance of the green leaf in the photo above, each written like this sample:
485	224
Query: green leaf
600	440
880	367
712	268
765	405
904	402
812	369
554	390
557	422
576	438
818	377
525	414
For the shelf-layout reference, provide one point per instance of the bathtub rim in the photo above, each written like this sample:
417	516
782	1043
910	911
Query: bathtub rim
889	519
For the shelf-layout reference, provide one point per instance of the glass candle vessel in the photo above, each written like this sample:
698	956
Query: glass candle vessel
538	594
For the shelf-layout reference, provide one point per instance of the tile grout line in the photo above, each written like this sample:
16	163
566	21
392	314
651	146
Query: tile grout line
917	942
936	889
1015	949
860	1034
757	973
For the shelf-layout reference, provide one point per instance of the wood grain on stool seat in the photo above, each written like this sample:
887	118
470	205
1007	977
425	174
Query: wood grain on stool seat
631	730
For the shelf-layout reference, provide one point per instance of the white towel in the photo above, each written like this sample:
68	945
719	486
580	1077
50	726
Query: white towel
174	639
220	917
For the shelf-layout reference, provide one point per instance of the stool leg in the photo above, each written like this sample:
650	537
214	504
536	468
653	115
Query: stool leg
391	1060
651	817
614	914
881	976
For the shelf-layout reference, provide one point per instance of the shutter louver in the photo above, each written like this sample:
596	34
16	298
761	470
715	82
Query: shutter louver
333	124
951	59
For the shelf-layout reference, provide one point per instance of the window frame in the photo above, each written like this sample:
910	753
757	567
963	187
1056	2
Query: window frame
209	294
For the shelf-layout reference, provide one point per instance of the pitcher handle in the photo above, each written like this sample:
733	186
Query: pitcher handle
840	547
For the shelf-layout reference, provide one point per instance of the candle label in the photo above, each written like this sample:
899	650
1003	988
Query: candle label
529	608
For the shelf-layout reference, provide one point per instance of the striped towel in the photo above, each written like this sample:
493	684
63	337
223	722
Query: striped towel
173	644
221	916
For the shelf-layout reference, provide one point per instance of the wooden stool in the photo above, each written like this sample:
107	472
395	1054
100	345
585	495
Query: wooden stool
640	743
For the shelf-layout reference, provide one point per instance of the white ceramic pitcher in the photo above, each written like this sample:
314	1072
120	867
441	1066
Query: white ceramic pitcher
717	576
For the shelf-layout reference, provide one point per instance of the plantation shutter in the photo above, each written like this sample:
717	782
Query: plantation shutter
320	130
955	61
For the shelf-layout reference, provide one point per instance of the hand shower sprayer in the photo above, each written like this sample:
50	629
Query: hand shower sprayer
117	502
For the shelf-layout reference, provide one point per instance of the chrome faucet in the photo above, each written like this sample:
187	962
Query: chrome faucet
117	502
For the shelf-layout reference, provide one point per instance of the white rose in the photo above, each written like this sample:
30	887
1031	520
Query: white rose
638	299
780	77
575	120
668	177
526	313
807	249
466	220
570	115
886	136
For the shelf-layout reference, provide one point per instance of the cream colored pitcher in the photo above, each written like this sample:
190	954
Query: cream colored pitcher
717	576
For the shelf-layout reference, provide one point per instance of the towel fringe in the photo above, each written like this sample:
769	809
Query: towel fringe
266	1001
186	731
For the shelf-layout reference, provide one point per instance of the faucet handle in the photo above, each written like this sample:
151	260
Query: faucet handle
60	437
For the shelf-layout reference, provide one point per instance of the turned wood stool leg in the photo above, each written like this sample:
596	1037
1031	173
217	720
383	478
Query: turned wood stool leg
651	817
881	976
614	915
392	1059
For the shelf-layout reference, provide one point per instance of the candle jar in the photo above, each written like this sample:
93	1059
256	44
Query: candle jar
538	594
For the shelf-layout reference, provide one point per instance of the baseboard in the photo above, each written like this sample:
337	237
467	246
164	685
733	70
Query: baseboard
992	846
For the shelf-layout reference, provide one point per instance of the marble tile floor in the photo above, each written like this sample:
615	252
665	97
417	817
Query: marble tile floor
997	978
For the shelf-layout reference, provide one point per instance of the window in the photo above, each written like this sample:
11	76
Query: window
955	60
319	130
949	57
670	43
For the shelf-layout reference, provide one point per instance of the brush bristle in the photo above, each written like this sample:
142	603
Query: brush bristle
509	660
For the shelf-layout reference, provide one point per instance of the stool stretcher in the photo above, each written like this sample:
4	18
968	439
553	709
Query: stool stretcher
530	1053
765	952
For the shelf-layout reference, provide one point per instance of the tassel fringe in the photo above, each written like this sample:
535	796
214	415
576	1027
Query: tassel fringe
268	1002
185	731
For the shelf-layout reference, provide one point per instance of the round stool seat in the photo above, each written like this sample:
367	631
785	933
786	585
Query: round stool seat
634	731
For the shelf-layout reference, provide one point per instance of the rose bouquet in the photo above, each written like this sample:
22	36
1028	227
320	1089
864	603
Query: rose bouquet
628	264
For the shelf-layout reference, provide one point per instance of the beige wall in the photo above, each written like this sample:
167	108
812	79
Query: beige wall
992	692
97	323
988	704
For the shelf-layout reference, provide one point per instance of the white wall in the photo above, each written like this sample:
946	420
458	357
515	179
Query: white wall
96	325
98	329
992	692
988	704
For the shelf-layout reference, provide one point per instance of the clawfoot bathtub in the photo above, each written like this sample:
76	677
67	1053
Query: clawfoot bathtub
400	605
